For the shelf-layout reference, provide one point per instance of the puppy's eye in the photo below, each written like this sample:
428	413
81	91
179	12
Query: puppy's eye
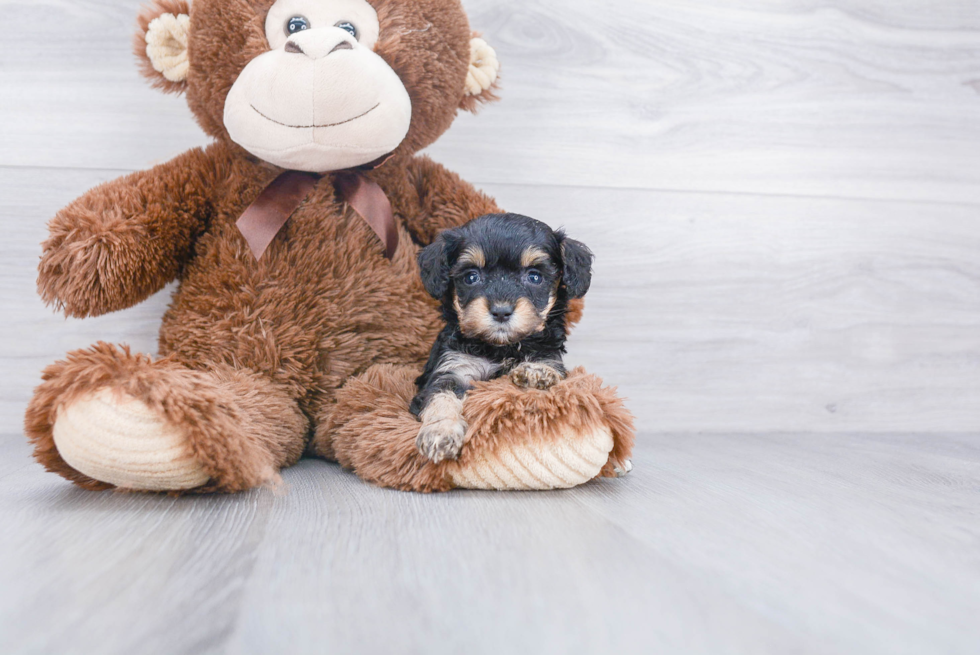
535	277
349	27
296	24
471	277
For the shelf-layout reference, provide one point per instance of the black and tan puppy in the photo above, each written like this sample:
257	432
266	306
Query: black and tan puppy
504	281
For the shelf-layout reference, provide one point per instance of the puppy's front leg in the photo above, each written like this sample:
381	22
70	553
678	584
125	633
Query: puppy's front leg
443	426
538	375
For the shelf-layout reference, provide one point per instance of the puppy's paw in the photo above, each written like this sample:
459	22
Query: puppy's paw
534	375
622	468
443	428
441	441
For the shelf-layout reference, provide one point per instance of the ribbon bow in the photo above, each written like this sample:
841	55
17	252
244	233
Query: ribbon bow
263	219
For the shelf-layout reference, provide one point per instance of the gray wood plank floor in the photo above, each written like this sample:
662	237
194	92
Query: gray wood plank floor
716	544
785	203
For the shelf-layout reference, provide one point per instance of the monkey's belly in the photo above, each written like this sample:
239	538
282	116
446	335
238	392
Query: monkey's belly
322	304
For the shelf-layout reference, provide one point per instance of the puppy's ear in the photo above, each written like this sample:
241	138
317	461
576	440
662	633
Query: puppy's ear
576	266
434	266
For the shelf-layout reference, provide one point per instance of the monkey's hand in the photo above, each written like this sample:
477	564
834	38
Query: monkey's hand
535	375
124	240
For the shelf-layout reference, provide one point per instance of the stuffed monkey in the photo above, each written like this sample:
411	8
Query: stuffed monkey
299	321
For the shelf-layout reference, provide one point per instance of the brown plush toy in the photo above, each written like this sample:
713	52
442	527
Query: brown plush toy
300	321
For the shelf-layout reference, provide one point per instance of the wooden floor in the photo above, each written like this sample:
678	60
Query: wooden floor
780	543
784	199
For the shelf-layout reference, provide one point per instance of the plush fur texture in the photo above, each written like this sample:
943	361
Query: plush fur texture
372	433
153	10
255	355
501	411
268	427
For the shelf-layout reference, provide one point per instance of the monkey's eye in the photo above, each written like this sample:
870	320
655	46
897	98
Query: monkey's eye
349	27
535	277
471	277
296	24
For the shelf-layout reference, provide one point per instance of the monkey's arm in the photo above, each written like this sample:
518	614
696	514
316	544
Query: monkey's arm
125	239
446	200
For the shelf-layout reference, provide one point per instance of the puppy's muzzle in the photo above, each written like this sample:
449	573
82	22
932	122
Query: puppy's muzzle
502	312
502	323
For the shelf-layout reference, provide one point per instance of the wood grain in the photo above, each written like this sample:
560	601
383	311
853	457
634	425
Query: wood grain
715	544
738	312
863	100
712	312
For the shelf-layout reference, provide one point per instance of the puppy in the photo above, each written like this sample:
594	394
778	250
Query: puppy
504	281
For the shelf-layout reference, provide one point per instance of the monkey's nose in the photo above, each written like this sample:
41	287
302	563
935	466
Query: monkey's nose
315	49
502	312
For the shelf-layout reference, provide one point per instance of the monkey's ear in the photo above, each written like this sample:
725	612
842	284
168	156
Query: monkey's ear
576	267
483	75
434	266
161	43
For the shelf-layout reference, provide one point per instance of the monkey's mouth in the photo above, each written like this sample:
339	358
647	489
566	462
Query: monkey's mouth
349	120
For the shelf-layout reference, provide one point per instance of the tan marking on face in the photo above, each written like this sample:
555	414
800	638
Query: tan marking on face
472	256
526	319
533	256
476	322
547	310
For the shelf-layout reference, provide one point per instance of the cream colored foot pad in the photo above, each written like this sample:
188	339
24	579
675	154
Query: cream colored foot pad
114	438
537	466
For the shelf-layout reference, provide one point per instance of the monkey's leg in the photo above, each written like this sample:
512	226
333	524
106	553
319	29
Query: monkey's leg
517	439
104	418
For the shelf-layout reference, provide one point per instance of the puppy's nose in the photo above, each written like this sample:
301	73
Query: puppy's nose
502	312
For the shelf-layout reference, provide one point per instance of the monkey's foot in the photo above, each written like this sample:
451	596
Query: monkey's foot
516	439
105	417
115	438
571	460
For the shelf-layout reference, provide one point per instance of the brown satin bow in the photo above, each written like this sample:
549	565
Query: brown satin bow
263	219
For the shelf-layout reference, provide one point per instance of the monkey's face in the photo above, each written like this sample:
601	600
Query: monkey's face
318	85
320	99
